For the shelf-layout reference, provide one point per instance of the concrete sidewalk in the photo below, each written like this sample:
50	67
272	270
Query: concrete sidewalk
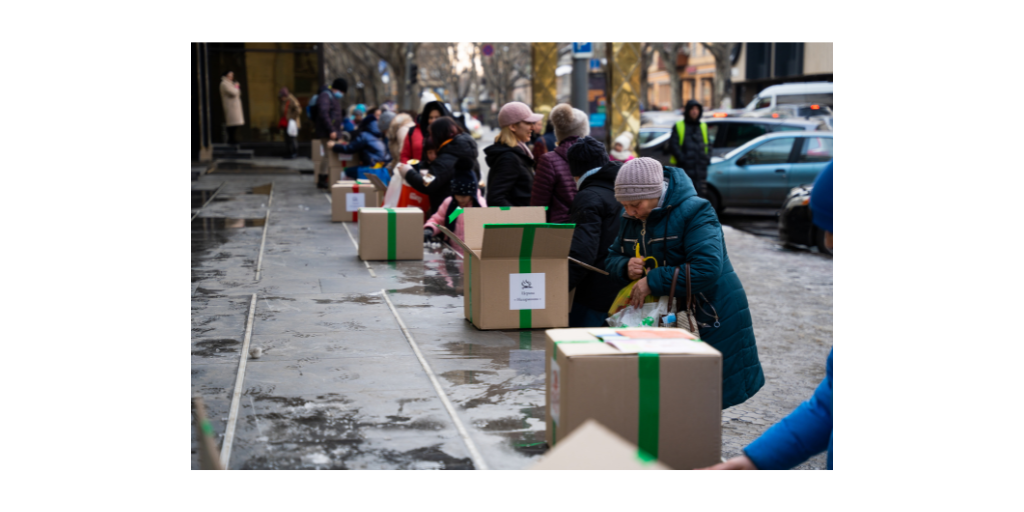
338	384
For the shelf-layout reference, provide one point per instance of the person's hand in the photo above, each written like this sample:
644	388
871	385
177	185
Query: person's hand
635	269
735	463
334	135
428	235
639	293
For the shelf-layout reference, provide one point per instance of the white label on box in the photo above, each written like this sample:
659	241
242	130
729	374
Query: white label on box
526	291
657	346
353	202
556	391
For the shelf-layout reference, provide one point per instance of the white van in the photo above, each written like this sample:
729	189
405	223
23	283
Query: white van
791	94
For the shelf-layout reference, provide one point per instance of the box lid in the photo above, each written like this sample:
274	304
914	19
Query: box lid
532	240
374	209
594	446
623	346
475	218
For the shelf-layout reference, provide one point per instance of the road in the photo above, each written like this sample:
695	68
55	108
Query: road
339	385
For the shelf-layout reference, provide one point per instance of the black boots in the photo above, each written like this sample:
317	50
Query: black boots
321	181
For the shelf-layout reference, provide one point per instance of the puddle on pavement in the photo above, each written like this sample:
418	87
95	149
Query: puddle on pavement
200	197
224	223
263	189
208	348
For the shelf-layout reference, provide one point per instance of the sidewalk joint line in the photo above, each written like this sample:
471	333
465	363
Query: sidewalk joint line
236	395
474	454
215	192
266	226
350	237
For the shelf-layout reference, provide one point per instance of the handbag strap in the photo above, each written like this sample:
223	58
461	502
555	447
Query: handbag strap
672	292
689	294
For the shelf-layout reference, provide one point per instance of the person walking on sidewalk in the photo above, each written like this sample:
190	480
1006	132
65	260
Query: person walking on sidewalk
597	215
665	219
465	193
689	147
328	122
291	110
231	98
553	185
452	144
510	179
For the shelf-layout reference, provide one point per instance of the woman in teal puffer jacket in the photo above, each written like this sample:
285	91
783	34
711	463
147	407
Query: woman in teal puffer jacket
670	223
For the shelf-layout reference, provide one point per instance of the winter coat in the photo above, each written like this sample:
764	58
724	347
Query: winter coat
806	432
231	97
693	155
328	115
510	179
412	148
597	216
553	185
440	218
549	140
397	134
293	110
443	170
369	143
685	229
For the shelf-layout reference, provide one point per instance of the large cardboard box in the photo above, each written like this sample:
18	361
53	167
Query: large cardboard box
593	446
347	197
388	234
337	162
664	395
316	152
515	268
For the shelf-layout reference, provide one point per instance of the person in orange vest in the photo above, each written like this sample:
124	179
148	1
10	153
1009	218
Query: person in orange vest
689	147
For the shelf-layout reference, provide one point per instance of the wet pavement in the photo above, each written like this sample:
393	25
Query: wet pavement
338	385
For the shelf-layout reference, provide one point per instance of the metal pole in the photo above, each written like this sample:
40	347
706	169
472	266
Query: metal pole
579	83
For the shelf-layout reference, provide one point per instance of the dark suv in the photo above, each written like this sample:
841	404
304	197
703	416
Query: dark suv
724	134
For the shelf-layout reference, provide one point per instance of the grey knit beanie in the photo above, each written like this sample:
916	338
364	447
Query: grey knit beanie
640	178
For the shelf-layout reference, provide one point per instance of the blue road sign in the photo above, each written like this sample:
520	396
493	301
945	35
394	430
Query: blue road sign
582	50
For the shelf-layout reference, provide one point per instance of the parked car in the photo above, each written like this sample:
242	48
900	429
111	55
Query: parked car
660	117
724	134
789	94
761	172
795	222
809	112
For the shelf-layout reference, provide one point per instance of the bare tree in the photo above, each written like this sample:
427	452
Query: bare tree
669	53
438	65
723	70
504	68
359	66
646	56
397	56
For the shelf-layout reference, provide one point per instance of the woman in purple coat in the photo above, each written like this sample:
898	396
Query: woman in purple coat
553	185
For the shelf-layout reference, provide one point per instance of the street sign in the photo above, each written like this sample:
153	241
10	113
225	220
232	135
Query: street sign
582	50
488	50
595	63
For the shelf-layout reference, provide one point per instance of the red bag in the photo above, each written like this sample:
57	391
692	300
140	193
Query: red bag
283	122
412	198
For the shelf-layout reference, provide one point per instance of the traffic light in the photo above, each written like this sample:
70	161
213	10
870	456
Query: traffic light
414	71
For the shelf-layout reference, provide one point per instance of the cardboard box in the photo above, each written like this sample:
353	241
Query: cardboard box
388	234
315	153
347	197
515	268
337	162
663	395
593	446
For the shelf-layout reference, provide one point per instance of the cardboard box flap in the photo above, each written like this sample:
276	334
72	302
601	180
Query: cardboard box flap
533	240
594	446
570	335
475	218
374	209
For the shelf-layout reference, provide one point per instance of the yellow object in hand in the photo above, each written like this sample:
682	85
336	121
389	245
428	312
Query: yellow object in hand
652	258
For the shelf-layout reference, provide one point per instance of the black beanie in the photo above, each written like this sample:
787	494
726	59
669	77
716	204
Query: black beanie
340	84
464	181
586	154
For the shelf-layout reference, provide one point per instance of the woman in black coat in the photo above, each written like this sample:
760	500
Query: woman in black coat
510	179
452	143
596	214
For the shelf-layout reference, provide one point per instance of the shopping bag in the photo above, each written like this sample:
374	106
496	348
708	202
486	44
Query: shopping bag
394	191
622	299
293	128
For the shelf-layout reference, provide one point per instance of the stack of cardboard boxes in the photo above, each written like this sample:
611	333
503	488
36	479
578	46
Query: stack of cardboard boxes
347	197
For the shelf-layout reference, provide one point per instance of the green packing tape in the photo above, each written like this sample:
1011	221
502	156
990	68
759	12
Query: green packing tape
644	457
392	227
207	428
505	208
525	267
650	398
458	211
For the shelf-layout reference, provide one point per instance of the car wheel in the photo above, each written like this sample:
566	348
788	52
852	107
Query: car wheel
819	240
715	200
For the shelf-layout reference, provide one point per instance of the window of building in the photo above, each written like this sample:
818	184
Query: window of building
789	59
758	58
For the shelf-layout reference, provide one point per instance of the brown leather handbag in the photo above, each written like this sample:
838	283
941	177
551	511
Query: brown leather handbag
685	319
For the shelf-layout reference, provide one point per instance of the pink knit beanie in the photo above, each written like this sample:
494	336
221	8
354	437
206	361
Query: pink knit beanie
640	178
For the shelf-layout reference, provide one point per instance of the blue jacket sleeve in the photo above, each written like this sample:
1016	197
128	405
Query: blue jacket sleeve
703	250
355	146
806	432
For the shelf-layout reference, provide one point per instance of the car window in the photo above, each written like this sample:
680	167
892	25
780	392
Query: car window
788	128
712	133
772	152
764	102
741	133
647	136
816	149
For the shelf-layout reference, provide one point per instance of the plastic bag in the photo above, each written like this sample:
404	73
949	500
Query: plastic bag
293	128
394	191
622	299
647	316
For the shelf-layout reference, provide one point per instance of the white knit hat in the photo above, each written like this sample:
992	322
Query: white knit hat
569	122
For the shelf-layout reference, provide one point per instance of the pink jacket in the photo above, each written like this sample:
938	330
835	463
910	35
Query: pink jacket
438	219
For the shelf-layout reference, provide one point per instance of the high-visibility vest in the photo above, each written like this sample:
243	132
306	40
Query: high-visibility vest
681	129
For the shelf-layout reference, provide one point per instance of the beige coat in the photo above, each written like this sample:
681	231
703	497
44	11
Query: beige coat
292	109
231	97
398	130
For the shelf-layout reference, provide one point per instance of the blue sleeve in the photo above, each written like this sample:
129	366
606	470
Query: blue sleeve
821	199
703	250
354	147
806	432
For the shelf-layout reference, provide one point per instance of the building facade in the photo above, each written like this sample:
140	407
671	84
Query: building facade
764	64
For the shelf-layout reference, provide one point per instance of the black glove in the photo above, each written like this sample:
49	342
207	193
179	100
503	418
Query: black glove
428	235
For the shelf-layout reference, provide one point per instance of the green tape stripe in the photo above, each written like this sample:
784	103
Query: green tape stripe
458	211
207	428
530	225
526	267
392	227
525	340
650	398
